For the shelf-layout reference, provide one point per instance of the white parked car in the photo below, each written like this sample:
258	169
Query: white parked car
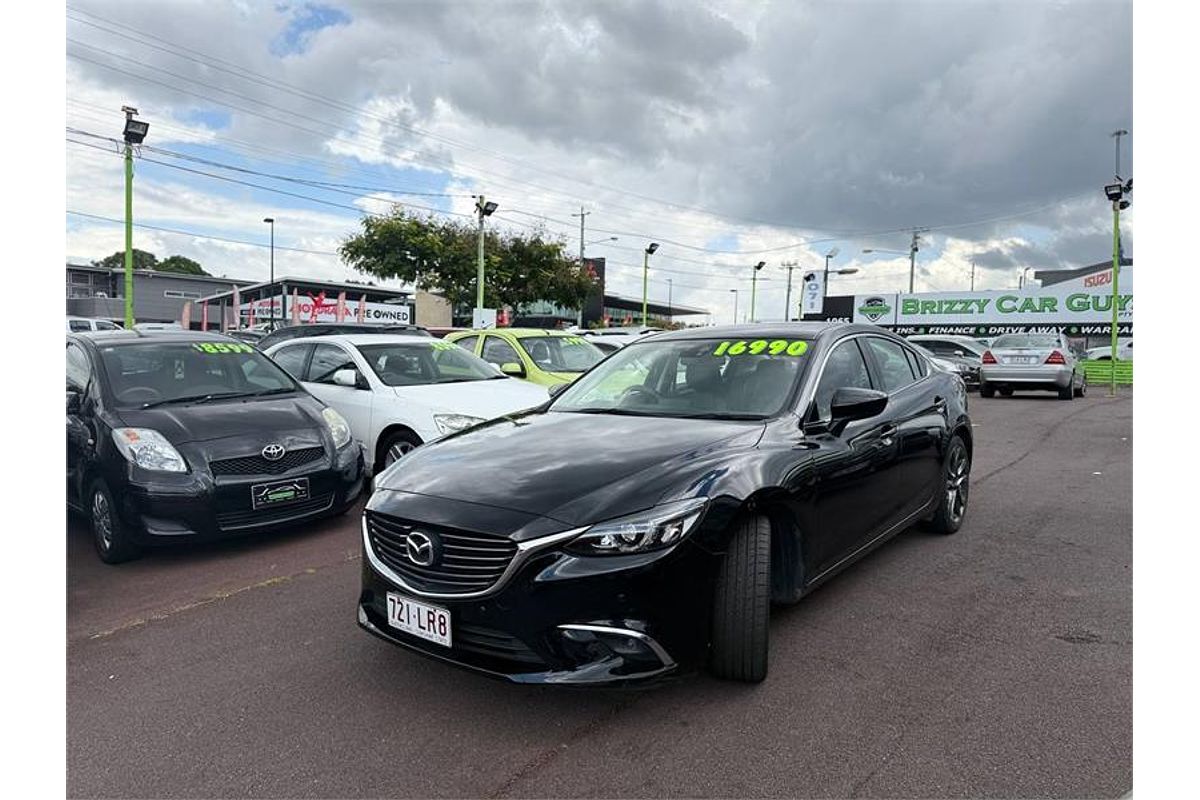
610	339
81	324
398	392
1104	353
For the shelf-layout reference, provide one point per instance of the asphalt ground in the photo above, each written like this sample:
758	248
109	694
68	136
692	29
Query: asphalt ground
997	662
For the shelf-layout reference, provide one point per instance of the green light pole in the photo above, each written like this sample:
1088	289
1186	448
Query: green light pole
1116	193
754	286
649	251
135	133
485	210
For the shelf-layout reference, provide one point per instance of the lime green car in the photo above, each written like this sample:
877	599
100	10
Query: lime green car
544	357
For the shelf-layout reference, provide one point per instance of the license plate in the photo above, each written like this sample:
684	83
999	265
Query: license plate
265	495
419	619
1022	359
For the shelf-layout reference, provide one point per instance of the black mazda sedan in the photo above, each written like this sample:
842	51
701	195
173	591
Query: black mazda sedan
645	519
180	436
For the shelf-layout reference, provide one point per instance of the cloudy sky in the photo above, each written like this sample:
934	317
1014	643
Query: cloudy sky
729	132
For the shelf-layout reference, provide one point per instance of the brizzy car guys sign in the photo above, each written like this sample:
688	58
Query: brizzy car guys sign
1054	307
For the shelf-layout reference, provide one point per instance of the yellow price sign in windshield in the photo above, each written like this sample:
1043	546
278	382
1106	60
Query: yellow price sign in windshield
758	347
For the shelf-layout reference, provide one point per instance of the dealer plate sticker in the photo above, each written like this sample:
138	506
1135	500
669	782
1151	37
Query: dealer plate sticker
419	619
265	495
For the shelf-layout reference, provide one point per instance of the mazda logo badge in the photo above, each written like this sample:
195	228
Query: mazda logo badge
419	549
273	452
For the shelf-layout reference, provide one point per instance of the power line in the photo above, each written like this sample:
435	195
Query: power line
200	235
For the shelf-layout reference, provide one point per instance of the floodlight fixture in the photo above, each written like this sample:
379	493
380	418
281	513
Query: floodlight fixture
652	248
1113	191
135	129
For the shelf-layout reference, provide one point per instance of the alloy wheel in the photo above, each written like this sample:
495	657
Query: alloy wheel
396	452
102	519
957	484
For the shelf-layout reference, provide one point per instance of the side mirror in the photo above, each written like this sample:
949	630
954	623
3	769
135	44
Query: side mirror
514	369
73	402
349	377
557	389
850	403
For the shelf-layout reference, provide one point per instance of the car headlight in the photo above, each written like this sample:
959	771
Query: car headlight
653	529
339	429
148	449
449	423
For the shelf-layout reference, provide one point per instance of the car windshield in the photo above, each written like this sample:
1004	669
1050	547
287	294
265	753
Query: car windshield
415	364
1015	340
707	378
156	373
562	353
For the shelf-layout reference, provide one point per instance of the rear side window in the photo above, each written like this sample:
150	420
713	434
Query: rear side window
499	352
895	369
916	362
467	343
79	325
105	325
292	358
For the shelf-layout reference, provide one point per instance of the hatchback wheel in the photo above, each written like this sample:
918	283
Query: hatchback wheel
110	535
1081	389
955	490
1006	391
743	604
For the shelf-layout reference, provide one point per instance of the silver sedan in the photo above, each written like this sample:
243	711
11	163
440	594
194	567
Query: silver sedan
1042	361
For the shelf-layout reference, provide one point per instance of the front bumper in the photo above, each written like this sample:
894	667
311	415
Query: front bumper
199	507
562	619
1048	376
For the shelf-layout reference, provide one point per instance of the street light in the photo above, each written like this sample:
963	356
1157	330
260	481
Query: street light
271	221
135	133
650	249
754	286
606	239
735	299
825	283
485	209
913	247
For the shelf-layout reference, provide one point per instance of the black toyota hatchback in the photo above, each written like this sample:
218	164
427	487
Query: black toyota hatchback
645	519
181	436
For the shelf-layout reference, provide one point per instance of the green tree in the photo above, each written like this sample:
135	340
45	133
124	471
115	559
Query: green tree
141	260
180	264
441	255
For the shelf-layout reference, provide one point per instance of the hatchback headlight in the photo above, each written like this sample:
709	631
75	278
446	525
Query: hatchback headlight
339	429
653	529
148	449
449	423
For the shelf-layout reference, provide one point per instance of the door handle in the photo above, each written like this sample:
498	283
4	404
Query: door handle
886	434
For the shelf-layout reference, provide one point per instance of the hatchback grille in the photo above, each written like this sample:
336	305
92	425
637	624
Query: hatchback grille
233	520
257	465
468	562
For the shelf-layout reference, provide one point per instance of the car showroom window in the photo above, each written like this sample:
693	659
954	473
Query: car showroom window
467	343
894	368
497	351
844	368
79	369
292	358
326	360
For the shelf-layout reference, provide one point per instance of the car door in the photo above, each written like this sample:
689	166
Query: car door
353	403
81	430
846	466
916	425
497	350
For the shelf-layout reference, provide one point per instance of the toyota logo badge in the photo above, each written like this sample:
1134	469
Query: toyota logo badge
419	549
273	452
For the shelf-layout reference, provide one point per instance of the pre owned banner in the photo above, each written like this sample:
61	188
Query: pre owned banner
1069	305
326	310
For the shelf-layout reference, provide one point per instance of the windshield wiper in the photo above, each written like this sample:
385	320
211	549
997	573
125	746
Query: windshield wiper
195	398
624	412
720	416
265	392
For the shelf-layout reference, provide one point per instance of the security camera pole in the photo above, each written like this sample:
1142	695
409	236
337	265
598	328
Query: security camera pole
135	133
653	246
485	209
1116	192
754	286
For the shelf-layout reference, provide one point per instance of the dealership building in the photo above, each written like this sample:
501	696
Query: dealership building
1077	302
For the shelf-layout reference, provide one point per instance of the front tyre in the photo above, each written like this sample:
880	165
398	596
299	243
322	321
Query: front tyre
956	485
742	604
395	447
112	538
986	390
1081	389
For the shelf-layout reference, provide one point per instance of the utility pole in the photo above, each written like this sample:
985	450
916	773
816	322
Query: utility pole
582	245
754	286
912	256
670	312
735	299
972	274
787	303
128	236
485	209
650	248
1116	193
271	221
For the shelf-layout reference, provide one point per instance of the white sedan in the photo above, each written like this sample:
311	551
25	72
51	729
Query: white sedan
398	392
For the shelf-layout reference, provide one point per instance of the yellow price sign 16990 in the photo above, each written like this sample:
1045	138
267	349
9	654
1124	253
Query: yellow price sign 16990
774	347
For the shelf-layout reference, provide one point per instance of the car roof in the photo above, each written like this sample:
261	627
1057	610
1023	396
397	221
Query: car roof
519	332
126	337
768	330
362	338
